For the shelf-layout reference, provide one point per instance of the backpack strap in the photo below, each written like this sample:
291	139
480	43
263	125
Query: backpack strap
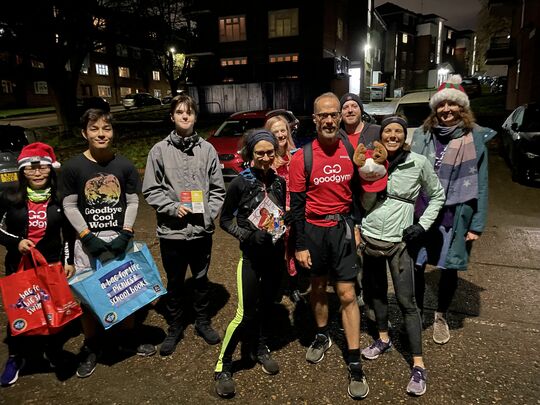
347	143
308	162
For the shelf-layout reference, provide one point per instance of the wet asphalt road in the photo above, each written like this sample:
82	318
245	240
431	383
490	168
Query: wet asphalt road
492	357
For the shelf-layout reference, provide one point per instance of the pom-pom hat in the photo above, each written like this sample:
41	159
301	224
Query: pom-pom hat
451	90
37	153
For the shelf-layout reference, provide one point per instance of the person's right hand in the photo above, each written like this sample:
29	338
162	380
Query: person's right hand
304	258
183	211
94	245
25	245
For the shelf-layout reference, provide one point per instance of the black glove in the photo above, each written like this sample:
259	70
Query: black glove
413	233
93	244
260	238
119	244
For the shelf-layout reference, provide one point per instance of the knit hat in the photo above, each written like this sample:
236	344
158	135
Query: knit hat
37	152
254	136
394	119
351	96
450	90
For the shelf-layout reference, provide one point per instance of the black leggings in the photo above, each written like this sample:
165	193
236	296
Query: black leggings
447	288
401	269
258	277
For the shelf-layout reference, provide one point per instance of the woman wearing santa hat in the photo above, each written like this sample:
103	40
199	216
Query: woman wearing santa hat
455	146
32	217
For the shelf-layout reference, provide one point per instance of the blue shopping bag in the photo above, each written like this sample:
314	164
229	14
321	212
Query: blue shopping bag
121	286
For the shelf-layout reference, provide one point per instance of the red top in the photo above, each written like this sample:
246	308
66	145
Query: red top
354	139
37	220
329	186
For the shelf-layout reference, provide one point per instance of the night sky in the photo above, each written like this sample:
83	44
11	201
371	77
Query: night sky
461	14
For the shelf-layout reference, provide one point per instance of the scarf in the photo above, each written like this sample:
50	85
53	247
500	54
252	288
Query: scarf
38	196
185	144
456	169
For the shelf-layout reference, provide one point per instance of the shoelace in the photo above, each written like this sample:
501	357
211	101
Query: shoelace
381	345
320	341
417	375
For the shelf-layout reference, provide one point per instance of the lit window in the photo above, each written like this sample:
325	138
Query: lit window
404	38
339	32
124	91
242	60
286	57
449	34
104	91
283	23
123	71
155	75
41	88
157	93
102	70
37	64
232	28
7	86
99	23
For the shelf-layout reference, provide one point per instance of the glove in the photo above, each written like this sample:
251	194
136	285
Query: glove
93	244
119	244
259	238
413	233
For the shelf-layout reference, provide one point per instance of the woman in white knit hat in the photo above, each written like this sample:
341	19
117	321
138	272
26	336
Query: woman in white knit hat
455	145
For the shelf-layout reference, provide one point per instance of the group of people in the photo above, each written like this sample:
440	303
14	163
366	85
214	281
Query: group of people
341	227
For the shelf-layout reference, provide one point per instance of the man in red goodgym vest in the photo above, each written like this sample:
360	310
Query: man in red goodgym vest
325	245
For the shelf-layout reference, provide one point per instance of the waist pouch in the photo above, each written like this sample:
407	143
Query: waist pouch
379	248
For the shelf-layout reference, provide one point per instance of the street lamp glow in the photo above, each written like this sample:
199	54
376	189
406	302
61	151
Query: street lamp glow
172	50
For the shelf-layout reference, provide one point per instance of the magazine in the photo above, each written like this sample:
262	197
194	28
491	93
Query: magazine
269	217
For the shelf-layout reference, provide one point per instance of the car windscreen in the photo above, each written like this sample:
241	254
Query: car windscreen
416	113
237	128
531	119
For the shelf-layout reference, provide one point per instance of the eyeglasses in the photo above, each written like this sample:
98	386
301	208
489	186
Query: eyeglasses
262	153
334	115
35	169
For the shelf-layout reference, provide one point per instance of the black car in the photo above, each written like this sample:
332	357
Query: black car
139	100
12	139
499	85
472	86
521	142
86	103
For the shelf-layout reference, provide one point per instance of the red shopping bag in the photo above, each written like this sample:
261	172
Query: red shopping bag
60	307
22	298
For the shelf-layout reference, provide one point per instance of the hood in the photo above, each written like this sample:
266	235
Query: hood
226	144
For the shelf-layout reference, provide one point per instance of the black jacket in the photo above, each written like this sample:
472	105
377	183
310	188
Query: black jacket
244	194
57	243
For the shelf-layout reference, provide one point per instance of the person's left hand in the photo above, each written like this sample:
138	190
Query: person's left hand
119	244
69	270
471	236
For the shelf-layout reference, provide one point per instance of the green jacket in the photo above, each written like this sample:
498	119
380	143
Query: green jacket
469	216
386	219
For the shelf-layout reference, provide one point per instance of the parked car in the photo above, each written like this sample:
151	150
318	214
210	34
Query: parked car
415	107
498	85
520	141
12	139
166	99
472	86
85	103
139	100
228	137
